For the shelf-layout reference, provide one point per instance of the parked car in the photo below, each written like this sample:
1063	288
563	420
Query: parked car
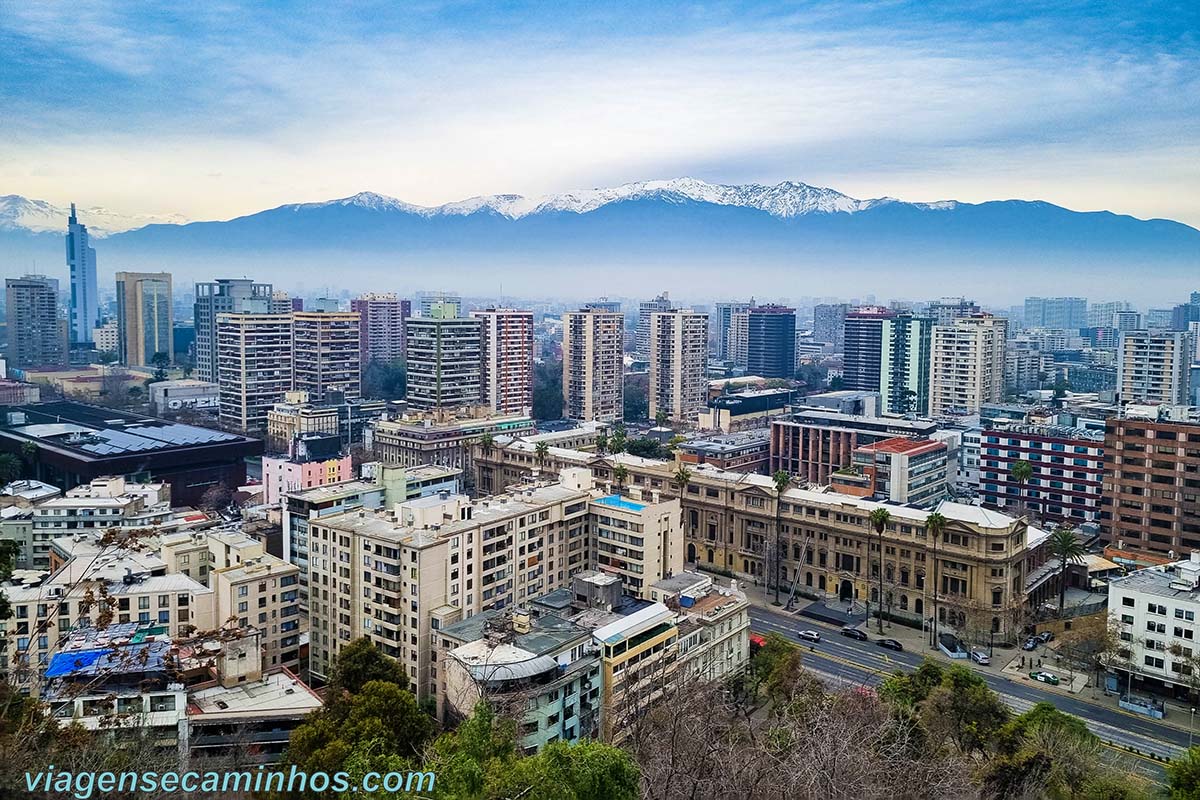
1045	677
854	633
1030	644
890	644
980	657
809	636
1045	636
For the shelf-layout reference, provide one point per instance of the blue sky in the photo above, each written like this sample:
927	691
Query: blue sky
220	108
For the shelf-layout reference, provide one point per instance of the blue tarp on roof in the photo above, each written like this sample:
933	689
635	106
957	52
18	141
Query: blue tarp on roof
68	663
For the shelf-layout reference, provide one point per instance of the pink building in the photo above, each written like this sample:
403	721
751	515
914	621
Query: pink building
283	475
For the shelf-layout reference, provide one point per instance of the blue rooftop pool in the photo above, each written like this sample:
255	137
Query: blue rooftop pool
616	501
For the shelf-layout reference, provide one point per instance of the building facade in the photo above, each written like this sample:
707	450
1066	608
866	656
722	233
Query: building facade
811	444
254	360
593	367
1151	494
678	365
722	325
381	325
966	365
507	356
326	361
645	309
145	317
770	341
888	352
223	296
1153	367
36	332
444	361
85	296
1061	313
829	324
1068	471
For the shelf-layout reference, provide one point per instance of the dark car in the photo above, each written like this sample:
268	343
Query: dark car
854	633
890	644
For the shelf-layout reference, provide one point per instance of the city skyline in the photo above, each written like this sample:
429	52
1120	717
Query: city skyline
451	101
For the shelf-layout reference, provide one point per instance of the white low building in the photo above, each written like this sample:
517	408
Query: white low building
1155	611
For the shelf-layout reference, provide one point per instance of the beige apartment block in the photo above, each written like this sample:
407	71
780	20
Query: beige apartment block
593	365
507	355
254	366
966	364
678	365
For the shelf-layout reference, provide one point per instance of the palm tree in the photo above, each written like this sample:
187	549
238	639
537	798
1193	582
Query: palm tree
10	468
540	451
660	417
879	519
683	477
487	443
1021	471
1067	548
602	442
781	480
935	526
620	473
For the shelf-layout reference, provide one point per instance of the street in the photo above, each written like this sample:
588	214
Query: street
841	658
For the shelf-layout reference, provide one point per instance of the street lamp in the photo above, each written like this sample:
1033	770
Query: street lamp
1191	723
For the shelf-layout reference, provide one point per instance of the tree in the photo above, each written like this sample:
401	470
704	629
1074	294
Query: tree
541	450
1021	471
1067	548
216	497
683	478
385	380
935	528
1183	775
361	662
647	448
602	443
964	710
837	383
620	475
636	402
660	417
879	519
160	361
782	480
548	390
487	443
10	468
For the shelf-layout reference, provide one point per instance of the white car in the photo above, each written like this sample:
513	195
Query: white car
980	658
809	636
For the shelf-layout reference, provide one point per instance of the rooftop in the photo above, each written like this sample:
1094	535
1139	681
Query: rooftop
729	443
102	432
616	501
903	445
1168	580
278	694
549	632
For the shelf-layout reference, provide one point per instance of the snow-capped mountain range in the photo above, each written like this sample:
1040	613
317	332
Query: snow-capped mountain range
783	200
38	216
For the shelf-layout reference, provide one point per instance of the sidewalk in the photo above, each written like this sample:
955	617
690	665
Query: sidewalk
1006	662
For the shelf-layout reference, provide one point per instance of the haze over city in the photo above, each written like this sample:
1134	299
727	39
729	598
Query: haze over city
600	400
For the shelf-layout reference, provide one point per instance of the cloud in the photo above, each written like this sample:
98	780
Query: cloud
448	100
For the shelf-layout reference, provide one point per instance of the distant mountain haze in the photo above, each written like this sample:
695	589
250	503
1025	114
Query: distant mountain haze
701	240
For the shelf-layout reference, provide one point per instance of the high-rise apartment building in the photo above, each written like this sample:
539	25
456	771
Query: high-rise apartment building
223	296
326	359
1063	313
645	309
1102	315
678	364
381	325
283	303
829	322
85	296
966	364
888	352
1153	367
444	301
948	309
723	324
1151	499
771	341
36	332
145	317
444	359
254	360
507	357
593	365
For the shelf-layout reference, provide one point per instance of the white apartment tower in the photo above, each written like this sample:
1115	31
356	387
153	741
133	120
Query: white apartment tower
254	366
678	364
507	353
1153	367
593	373
966	364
